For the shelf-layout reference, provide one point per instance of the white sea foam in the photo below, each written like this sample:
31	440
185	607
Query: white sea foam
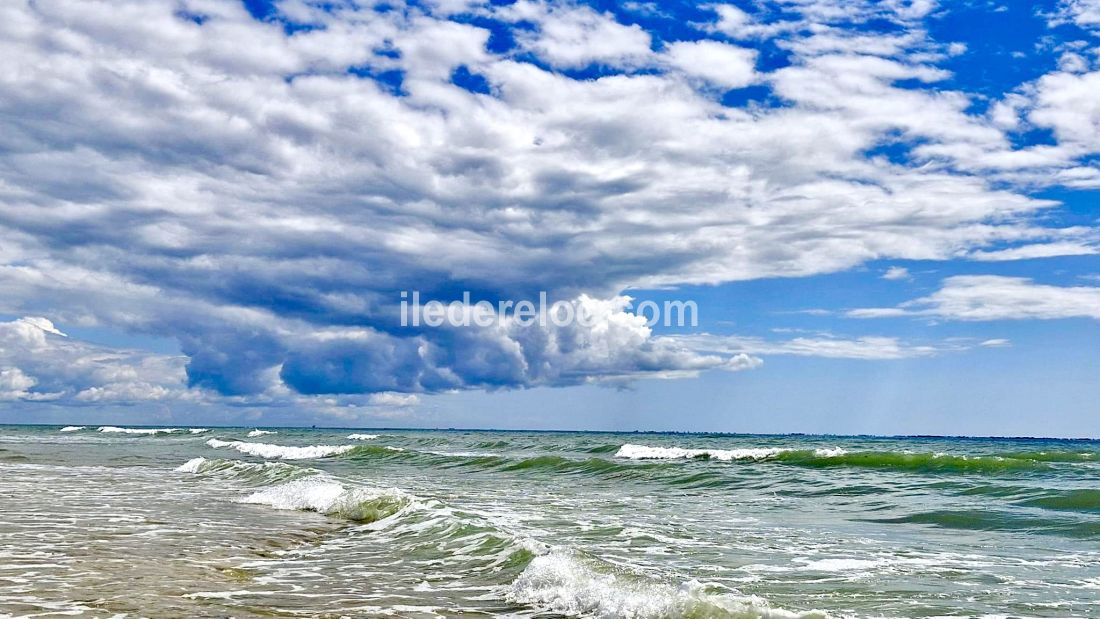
143	431
325	495
191	466
281	452
198	430
643	452
362	437
72	428
562	583
255	433
264	473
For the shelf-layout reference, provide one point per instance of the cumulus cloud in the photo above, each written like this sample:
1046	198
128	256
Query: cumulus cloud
576	36
896	273
718	63
39	363
614	345
994	297
1084	13
260	190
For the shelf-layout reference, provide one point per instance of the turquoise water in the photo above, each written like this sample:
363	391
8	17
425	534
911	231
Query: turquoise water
358	523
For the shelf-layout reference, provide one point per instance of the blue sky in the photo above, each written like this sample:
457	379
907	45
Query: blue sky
886	213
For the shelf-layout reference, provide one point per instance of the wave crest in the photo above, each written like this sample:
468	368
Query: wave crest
561	582
838	457
644	452
252	473
139	431
281	452
326	496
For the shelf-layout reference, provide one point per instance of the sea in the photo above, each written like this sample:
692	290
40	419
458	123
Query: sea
104	521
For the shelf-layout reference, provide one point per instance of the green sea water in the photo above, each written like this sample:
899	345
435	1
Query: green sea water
231	522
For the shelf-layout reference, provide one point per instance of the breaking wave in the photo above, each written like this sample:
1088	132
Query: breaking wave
362	437
837	457
250	473
72	428
555	580
325	495
561	582
643	452
255	433
281	452
139	431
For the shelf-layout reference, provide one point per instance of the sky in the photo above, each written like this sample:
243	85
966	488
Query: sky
886	214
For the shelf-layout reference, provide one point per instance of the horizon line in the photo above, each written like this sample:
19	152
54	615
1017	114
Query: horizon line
678	432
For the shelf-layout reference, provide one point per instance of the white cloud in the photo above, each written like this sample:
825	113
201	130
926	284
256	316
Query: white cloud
577	36
1084	13
1067	103
245	191
718	63
994	297
39	363
819	345
896	273
14	384
394	399
1039	250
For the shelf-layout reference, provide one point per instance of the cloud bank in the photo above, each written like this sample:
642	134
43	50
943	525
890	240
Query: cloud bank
261	186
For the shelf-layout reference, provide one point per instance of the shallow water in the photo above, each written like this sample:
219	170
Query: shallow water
421	524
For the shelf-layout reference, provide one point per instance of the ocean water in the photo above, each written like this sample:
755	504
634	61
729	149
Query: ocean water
232	522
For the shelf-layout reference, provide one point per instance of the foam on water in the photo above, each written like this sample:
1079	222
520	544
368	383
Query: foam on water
281	452
362	437
191	466
325	495
493	528
139	431
561	582
252	473
72	428
255	433
928	462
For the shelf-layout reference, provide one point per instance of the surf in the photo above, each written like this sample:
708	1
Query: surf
282	452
